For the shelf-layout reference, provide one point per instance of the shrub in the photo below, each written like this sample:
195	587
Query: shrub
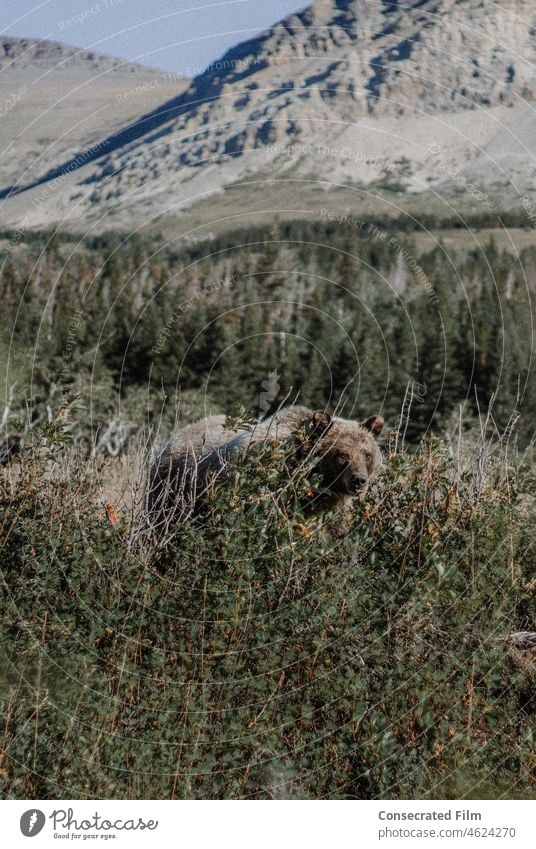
257	657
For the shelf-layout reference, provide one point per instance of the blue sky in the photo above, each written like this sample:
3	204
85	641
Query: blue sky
177	35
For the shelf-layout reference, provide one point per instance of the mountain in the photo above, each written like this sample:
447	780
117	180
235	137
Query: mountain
404	100
29	52
57	101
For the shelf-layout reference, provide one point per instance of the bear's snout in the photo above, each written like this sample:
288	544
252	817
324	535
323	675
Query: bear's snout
347	482
358	482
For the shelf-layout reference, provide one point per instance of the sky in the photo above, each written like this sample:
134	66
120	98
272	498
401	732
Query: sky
183	36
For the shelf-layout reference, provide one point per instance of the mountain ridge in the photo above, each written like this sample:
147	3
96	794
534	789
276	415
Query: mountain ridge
26	50
316	78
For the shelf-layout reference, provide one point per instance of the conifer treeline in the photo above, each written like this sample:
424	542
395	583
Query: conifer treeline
331	314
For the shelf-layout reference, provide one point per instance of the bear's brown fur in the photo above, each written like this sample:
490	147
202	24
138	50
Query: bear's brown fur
347	453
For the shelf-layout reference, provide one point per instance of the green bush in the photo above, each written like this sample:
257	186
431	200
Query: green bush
259	657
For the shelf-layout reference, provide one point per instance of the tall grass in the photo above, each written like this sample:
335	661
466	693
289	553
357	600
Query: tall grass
254	655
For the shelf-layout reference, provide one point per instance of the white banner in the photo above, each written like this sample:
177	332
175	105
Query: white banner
263	825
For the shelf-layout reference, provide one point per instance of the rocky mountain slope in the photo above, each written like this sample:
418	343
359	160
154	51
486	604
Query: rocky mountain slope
57	101
415	97
29	51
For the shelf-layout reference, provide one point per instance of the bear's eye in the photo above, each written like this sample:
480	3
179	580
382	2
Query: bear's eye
368	456
341	460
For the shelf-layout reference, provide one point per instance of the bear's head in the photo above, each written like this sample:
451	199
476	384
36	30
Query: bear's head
347	451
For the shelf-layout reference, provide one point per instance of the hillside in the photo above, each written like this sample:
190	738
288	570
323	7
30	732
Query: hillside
258	658
56	101
421	99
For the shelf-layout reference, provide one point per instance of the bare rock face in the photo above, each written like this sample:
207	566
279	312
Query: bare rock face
409	70
349	59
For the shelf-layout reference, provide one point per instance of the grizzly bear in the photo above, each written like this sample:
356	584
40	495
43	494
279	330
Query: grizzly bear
345	454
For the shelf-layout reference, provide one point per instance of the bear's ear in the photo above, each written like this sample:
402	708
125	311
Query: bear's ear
321	422
374	424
